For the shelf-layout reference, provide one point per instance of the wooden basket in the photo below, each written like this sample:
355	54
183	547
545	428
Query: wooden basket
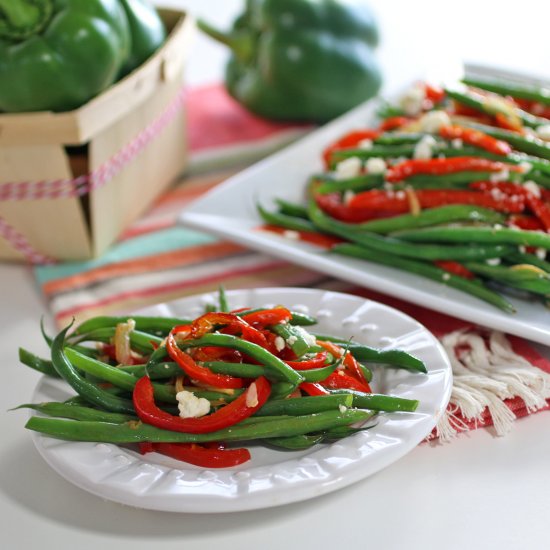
71	182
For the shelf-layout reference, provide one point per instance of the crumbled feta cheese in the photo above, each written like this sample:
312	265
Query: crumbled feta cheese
413	100
543	132
348	195
532	188
342	408
493	261
348	168
502	175
457	143
433	121
446	276
191	406
375	165
365	144
291	340
525	167
541	253
279	343
307	337
252	395
290	234
424	148
522	249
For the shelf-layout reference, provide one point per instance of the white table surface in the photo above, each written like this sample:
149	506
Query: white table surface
478	492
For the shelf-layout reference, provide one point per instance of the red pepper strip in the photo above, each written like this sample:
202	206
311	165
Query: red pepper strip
390	201
350	363
244	406
268	317
393	122
540	209
145	447
440	166
324	241
455	268
314	363
477	138
340	380
434	93
216	353
349	141
332	205
198	372
503	121
203	456
313	388
533	107
523	221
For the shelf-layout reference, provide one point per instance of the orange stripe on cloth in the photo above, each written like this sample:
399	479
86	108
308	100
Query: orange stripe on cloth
166	260
271	273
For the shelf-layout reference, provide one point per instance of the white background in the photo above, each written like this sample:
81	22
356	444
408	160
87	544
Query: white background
479	492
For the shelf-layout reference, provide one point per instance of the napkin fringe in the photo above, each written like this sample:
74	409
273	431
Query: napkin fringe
487	372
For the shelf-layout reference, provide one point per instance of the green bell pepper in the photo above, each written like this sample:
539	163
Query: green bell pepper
58	54
301	59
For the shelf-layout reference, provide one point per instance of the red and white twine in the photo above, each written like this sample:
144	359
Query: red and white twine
81	185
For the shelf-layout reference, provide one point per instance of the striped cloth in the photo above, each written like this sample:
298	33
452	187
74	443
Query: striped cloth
156	260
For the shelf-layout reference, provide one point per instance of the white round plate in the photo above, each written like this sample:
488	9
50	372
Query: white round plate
272	477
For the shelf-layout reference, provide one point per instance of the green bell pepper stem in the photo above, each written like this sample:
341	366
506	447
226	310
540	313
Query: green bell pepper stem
473	287
252	350
241	42
107	432
20	19
86	389
489	235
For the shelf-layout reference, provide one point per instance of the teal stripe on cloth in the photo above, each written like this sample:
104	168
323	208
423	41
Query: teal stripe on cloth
154	243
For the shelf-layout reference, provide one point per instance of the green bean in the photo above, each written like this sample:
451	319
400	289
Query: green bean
296	442
164	369
283	220
535	93
398	138
92	393
222	298
295	336
155	325
489	108
379	151
31	360
379	402
531	144
143	342
391	245
535	281
456	178
106	432
304	405
317	375
115	375
243	370
494	235
359	183
392	357
473	287
433	216
77	412
252	350
290	208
